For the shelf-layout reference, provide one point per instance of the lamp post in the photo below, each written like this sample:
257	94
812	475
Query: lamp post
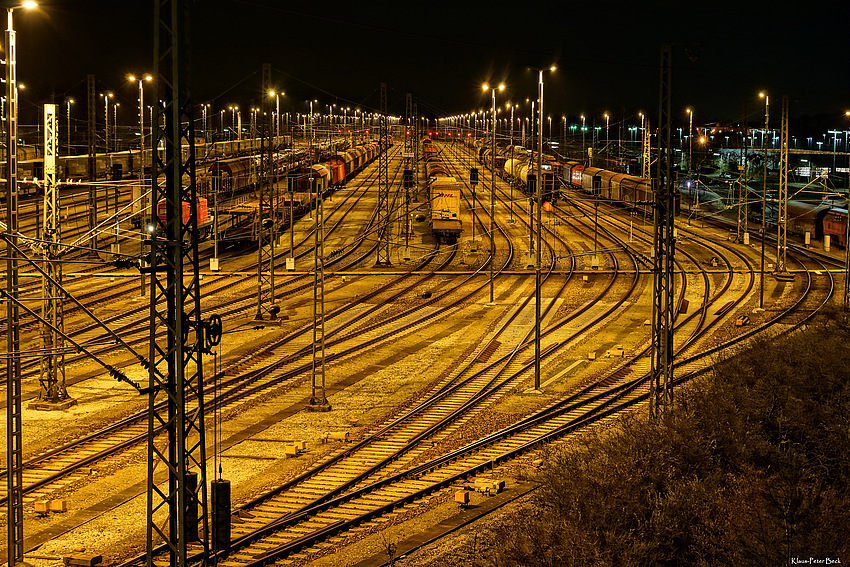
233	110
204	109
252	127
492	184
68	104
563	134
690	158
142	190
311	122
766	98
511	220
276	96
607	120
539	227
14	429
583	129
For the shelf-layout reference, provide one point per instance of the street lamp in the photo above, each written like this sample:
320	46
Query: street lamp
204	110
144	193
766	98
276	96
233	110
539	226
492	184
563	133
690	157
607	119
14	433
583	129
512	106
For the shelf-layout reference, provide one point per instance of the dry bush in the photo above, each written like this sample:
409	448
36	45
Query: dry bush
751	467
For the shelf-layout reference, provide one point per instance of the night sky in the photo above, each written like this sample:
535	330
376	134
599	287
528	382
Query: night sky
607	54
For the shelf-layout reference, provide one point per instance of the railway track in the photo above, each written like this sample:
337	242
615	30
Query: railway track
391	466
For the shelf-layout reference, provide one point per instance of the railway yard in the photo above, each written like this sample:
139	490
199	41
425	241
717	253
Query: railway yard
434	415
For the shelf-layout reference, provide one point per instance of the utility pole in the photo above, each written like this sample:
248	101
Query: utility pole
647	152
407	176
664	243
416	137
383	186
176	433
743	181
319	400
764	197
782	220
266	213
14	421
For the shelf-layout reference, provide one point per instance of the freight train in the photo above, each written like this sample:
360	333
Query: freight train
444	194
515	164
234	182
635	193
118	165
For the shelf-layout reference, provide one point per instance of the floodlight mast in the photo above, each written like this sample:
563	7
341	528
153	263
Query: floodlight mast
14	425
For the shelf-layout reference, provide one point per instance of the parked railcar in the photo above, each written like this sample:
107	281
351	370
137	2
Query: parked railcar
445	209
633	192
444	196
523	164
835	226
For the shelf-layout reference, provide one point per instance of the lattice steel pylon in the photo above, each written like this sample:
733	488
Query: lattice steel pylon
416	137
407	177
647	153
14	424
52	376
92	161
319	400
661	387
782	220
266	215
176	441
743	179
383	186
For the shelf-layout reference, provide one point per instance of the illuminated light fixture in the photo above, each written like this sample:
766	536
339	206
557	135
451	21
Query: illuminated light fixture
29	4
